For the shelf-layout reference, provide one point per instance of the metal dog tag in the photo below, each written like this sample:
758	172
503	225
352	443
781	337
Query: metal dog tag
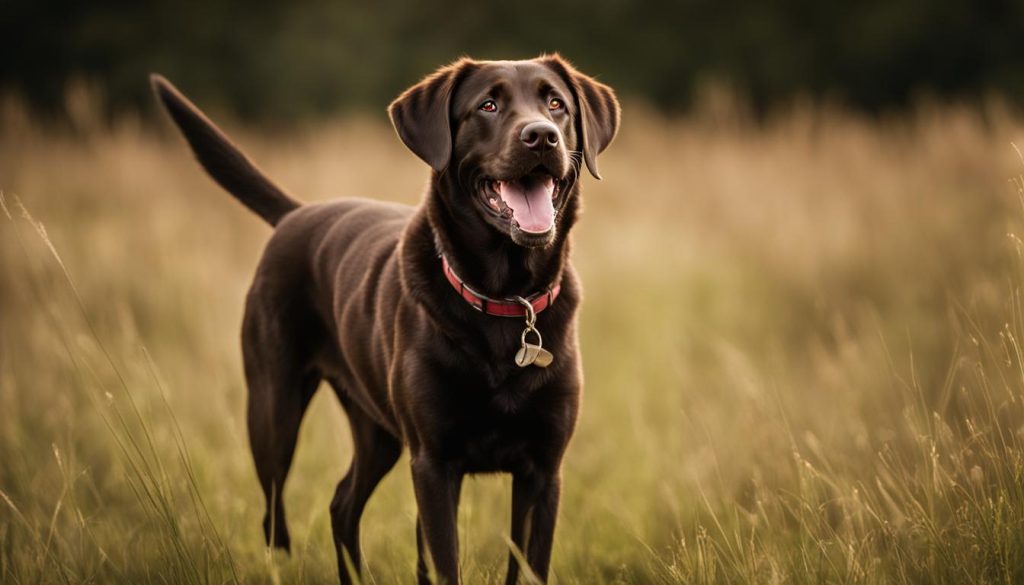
530	354
533	355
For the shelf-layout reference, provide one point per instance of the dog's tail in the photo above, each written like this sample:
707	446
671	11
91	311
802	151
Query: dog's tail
223	160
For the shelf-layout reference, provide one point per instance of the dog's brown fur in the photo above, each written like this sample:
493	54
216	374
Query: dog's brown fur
352	292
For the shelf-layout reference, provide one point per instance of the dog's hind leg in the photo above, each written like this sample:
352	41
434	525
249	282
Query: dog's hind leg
281	383
375	452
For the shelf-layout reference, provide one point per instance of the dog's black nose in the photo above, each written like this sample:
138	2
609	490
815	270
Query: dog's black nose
539	135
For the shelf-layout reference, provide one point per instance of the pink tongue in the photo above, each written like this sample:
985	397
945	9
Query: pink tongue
530	200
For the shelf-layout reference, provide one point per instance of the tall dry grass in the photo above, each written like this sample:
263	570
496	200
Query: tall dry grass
801	340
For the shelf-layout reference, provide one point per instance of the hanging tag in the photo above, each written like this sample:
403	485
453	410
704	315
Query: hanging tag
533	355
530	354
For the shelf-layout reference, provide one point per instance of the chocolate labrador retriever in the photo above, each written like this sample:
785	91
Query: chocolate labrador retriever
428	321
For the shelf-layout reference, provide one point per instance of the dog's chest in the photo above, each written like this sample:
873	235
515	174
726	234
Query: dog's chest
499	433
502	447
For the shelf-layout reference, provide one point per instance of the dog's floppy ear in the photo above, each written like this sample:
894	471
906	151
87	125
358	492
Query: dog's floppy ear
421	114
599	110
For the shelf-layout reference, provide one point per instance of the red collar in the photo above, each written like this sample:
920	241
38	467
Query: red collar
508	307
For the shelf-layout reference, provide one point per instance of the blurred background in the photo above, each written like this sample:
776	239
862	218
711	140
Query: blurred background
266	60
816	376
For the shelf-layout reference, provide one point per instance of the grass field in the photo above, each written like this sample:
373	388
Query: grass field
801	339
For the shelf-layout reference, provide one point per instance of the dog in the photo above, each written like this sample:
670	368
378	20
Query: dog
448	328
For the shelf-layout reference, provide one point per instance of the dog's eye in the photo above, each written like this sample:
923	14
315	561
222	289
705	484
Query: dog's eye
555	104
489	106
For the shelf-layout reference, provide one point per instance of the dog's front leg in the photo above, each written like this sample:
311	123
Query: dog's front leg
534	508
525	489
542	526
437	494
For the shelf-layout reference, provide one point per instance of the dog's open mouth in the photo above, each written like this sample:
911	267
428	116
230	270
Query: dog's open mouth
527	202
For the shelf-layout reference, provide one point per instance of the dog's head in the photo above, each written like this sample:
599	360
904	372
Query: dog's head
512	135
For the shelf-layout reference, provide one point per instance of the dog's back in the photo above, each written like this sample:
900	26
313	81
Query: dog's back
330	268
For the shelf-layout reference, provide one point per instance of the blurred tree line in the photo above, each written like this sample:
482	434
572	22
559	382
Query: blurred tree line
285	61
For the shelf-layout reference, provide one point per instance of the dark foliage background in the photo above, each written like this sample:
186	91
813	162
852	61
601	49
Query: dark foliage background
305	58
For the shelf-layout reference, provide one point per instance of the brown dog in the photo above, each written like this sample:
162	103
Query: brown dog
426	321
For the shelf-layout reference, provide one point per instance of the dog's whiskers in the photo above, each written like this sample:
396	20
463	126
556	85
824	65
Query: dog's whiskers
575	163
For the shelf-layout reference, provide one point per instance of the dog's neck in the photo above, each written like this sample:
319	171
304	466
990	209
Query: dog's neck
489	260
